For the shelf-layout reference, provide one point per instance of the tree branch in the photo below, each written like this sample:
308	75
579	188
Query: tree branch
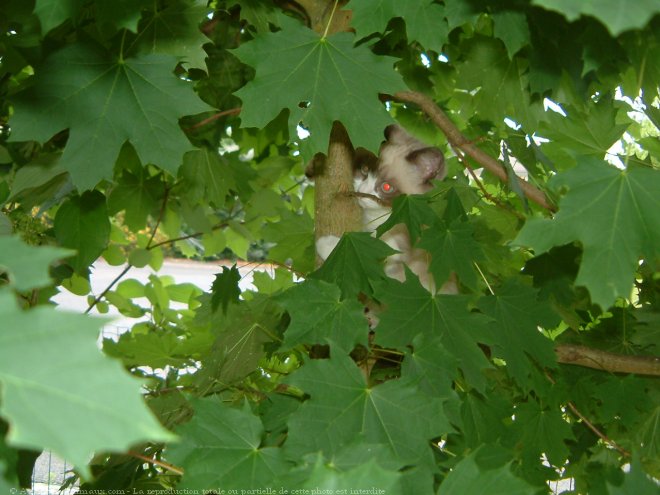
458	140
606	361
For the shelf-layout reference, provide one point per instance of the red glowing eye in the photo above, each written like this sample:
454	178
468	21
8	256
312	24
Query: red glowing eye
386	187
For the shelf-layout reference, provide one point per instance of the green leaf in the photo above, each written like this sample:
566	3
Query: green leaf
319	80
139	257
121	13
259	14
220	446
319	316
424	20
206	177
294	235
52	13
175	31
139	195
468	478
413	211
92	404
612	213
635	481
82	224
648	439
502	84
240	335
411	310
459	12
516	315
617	15
225	288
156	350
355	263
361	479
453	249
512	28
542	431
579	134
342	406
27	266
36	183
105	102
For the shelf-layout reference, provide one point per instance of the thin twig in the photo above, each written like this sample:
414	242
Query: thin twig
214	117
366	195
98	298
188	236
591	426
156	462
456	138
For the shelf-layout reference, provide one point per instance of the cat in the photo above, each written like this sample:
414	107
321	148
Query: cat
404	165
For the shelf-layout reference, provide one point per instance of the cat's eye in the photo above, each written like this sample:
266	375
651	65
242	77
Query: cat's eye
387	188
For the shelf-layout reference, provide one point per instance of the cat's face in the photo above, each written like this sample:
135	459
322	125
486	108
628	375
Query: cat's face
404	165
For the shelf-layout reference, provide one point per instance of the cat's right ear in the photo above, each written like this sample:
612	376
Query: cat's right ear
430	163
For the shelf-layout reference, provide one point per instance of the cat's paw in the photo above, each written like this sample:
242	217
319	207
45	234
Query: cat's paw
325	245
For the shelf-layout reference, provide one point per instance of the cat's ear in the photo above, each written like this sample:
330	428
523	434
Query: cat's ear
394	133
430	163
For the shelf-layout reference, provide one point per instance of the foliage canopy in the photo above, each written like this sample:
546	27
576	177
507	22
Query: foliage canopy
135	130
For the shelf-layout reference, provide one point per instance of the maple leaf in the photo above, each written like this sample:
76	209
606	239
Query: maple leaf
318	316
137	191
617	15
501	83
411	210
175	30
622	207
240	335
468	476
361	479
294	235
355	262
82	223
89	398
220	446
424	20
582	134
542	431
156	349
27	266
517	313
65	95
225	288
206	176
342	406
320	80
512	28
411	310
453	249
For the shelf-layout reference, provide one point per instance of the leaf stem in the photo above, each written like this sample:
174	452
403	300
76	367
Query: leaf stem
332	15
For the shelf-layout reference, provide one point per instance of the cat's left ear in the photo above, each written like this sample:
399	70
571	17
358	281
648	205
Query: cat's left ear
430	162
